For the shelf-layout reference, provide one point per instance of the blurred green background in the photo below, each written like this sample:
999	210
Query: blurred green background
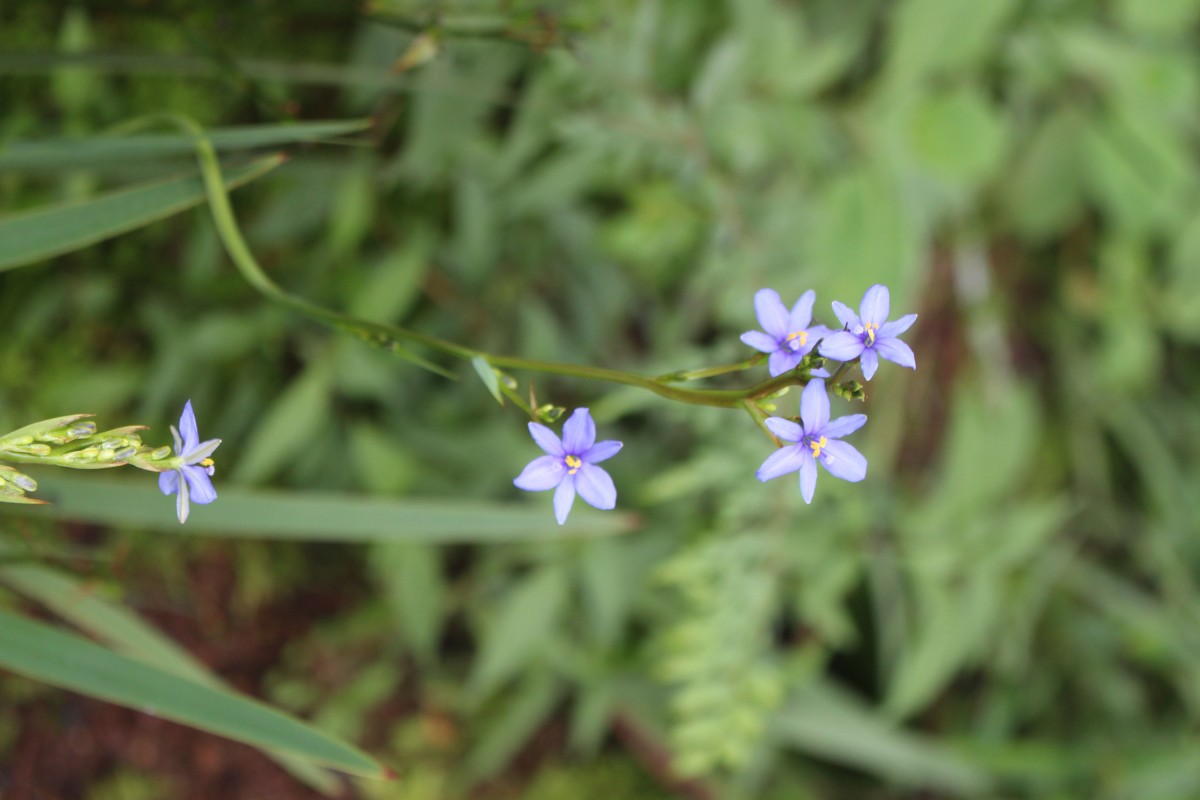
1006	608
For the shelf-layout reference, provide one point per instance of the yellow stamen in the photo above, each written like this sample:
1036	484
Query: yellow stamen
573	464
208	462
871	327
816	446
801	335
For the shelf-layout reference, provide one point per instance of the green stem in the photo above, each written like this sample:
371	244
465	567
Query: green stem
391	336
710	372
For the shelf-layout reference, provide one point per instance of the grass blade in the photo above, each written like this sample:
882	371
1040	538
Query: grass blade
70	153
43	233
128	633
46	654
312	516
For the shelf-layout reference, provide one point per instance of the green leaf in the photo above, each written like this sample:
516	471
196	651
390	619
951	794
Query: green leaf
932	35
957	135
130	635
315	516
488	375
827	722
864	233
524	710
293	420
43	233
1043	194
525	620
91	151
43	653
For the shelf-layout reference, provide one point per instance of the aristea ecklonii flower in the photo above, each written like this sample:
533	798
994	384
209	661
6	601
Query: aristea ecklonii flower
868	335
569	465
788	336
192	466
815	439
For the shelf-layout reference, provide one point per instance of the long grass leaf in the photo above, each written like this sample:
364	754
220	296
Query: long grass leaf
43	233
75	152
314	516
46	654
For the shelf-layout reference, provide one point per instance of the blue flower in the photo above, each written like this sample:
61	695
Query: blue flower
192	463
569	465
815	439
870	336
788	336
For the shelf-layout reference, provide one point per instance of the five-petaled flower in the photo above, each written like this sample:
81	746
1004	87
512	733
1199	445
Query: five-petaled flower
868	335
192	466
814	439
789	335
569	465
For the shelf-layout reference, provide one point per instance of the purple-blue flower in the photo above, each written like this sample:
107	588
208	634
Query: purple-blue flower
815	439
192	463
868	336
569	465
787	335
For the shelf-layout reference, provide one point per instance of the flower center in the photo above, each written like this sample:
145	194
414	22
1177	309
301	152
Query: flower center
796	340
867	332
573	464
816	445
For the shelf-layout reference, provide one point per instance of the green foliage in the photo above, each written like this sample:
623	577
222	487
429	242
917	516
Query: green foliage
1005	608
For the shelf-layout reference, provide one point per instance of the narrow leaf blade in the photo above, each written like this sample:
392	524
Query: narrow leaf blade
43	653
43	233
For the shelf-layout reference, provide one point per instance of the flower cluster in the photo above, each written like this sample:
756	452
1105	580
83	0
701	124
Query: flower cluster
789	338
789	335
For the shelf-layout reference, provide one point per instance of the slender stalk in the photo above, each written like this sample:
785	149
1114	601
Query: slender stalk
710	372
392	336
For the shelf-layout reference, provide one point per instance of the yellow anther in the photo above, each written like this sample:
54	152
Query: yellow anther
801	335
871	327
208	462
573	464
816	446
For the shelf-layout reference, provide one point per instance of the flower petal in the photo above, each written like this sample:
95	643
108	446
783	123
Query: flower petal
801	313
869	362
181	502
178	441
544	472
564	497
602	451
782	361
772	314
896	351
876	304
844	426
760	341
168	482
201	451
841	460
187	427
785	429
579	432
846	315
595	486
808	477
842	346
814	406
546	439
889	329
199	484
781	462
